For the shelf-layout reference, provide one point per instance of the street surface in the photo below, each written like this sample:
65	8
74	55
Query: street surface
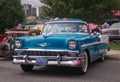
107	71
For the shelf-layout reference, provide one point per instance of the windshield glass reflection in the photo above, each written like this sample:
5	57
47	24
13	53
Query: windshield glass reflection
65	27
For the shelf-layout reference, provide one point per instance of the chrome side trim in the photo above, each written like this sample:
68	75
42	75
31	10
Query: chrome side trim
85	45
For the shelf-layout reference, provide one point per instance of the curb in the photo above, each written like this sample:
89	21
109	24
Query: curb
5	59
113	55
110	57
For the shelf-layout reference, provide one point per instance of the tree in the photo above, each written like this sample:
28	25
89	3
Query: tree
10	12
88	10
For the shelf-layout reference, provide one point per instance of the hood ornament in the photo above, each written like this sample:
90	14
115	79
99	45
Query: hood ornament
43	44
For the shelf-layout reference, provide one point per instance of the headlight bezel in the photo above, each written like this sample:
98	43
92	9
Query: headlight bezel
18	44
72	44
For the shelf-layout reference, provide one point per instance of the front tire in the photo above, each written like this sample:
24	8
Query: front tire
84	65
26	68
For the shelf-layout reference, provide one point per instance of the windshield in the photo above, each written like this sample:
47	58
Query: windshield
65	27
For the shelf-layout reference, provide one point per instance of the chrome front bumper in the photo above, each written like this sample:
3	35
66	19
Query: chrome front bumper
66	61
52	59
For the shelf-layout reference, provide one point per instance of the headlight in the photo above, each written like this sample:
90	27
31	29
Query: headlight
72	44
18	44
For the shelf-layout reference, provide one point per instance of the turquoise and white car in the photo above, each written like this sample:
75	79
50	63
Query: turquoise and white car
62	43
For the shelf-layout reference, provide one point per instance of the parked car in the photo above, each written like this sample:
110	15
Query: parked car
62	43
4	47
23	32
113	31
12	34
7	40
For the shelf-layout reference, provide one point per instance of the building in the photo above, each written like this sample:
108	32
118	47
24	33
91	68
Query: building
27	9
32	7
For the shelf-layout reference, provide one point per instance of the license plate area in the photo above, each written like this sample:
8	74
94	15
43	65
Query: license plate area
42	61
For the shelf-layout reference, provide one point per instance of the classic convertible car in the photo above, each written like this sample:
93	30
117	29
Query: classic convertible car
113	31
62	43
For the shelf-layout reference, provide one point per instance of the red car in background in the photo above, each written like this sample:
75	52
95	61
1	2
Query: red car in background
7	40
3	38
4	46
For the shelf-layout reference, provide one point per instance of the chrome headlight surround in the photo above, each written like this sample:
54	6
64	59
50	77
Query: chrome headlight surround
72	44
18	44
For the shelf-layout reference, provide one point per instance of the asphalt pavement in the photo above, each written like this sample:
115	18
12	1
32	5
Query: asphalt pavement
107	71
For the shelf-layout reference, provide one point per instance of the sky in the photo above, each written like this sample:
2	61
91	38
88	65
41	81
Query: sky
34	3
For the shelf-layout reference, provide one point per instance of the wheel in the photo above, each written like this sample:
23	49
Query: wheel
4	49
26	68
84	66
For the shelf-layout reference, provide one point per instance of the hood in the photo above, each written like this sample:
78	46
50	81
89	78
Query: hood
56	41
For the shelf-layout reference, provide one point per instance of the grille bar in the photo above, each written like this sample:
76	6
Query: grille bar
44	53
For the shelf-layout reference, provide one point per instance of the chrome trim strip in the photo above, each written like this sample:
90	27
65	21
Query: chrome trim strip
85	45
53	50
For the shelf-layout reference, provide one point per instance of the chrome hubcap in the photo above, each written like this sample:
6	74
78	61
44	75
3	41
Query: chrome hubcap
85	62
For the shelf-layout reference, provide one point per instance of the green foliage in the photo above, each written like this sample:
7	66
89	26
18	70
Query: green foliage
10	11
89	10
115	46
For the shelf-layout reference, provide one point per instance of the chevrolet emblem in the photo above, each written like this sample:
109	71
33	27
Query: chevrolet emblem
43	44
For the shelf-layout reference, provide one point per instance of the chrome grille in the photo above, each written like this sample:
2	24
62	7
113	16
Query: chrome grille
44	53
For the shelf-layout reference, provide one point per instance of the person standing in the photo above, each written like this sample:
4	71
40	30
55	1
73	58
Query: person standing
105	25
